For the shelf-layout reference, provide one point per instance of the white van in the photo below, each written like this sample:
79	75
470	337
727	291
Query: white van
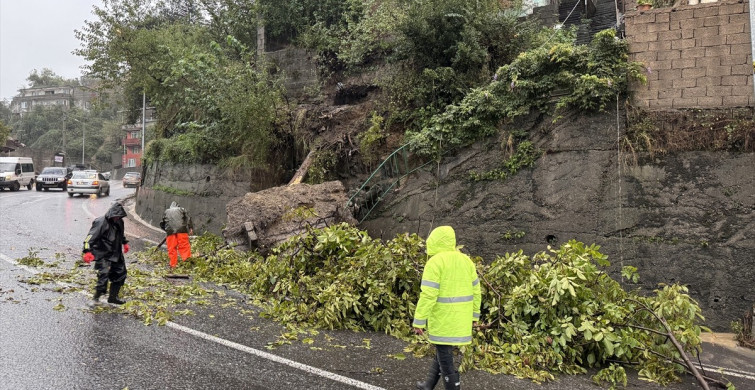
16	172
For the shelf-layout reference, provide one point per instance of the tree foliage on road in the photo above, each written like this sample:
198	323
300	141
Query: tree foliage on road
556	312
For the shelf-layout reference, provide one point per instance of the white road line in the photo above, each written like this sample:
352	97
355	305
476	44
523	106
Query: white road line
731	372
239	347
86	210
133	215
142	238
275	358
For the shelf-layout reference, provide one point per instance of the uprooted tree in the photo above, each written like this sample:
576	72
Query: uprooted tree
555	312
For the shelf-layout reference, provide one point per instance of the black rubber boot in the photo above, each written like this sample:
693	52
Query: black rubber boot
452	382
432	378
114	289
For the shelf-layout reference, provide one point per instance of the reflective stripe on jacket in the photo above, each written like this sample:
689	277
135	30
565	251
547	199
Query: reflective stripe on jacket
450	297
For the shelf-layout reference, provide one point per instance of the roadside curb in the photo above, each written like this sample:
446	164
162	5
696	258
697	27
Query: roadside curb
128	203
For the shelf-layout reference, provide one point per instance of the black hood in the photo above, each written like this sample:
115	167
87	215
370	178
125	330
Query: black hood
116	210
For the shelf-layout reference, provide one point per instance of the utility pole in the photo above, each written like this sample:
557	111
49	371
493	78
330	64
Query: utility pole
64	140
144	114
83	139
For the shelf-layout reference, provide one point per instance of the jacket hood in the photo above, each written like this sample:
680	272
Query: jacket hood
116	210
441	239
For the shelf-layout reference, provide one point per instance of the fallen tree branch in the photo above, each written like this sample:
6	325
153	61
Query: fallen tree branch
670	334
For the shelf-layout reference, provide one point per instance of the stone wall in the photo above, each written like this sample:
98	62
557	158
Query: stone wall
207	213
686	218
697	56
203	190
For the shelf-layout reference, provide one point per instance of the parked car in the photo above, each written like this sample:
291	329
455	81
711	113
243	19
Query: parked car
53	177
16	172
88	182
132	179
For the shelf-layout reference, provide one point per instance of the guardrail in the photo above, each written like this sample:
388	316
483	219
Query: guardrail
388	175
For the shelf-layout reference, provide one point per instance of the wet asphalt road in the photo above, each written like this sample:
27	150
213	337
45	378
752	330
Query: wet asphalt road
220	347
42	348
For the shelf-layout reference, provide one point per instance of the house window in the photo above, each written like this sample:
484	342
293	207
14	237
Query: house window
50	92
131	162
135	150
135	134
23	104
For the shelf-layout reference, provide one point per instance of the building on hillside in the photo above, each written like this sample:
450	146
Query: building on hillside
132	140
79	95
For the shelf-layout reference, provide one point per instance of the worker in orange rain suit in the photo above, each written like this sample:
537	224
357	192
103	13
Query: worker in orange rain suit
448	305
177	225
105	244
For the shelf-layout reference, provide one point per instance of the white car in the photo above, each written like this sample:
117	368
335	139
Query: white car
88	182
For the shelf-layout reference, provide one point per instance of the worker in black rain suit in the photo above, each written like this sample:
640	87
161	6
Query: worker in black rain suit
105	244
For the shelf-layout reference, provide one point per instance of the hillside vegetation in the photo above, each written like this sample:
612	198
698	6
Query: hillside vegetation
462	68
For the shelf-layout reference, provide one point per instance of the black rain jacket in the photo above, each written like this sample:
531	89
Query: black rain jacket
107	236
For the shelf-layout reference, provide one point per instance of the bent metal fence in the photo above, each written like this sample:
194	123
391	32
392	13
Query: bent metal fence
388	175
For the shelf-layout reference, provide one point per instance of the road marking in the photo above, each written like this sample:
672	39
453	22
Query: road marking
275	358
32	198
731	372
239	347
133	215
86	210
142	238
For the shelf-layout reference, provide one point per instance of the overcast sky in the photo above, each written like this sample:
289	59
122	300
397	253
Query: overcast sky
37	34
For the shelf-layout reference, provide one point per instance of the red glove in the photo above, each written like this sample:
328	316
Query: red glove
88	257
125	248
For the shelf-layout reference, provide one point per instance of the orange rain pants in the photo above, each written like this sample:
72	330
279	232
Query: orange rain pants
178	244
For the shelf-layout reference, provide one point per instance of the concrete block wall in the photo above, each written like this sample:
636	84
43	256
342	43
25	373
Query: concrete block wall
697	56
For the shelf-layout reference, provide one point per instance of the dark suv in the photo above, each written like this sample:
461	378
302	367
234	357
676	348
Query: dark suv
53	177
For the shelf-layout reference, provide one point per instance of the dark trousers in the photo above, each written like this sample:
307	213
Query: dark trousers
444	359
115	271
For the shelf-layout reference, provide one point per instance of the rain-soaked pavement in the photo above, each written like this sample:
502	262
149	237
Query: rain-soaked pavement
50	340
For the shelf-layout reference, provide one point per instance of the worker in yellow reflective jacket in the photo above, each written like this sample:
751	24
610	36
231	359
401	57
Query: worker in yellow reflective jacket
448	306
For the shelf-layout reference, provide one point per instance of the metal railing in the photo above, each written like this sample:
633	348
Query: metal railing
388	175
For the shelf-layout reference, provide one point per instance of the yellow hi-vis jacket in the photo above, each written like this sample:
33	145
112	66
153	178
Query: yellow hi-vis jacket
449	301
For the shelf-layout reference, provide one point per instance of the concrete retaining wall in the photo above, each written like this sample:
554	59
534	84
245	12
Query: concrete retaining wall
204	190
685	218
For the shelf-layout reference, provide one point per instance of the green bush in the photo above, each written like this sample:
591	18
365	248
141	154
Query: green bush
557	311
589	77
